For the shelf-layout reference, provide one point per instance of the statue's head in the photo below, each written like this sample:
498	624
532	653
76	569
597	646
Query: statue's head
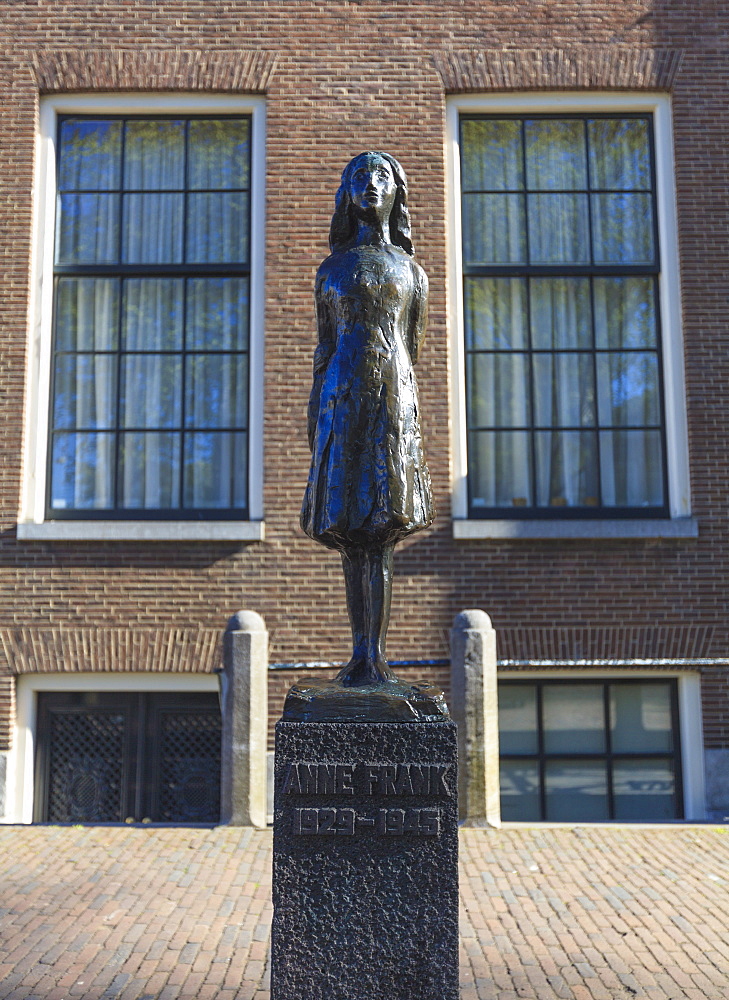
344	224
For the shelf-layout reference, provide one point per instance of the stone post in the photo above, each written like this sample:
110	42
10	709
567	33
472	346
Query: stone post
474	708
244	708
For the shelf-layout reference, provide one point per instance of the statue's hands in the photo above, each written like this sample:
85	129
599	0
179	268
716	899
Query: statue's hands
321	358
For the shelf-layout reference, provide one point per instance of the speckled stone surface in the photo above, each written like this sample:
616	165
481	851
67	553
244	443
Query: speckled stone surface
365	862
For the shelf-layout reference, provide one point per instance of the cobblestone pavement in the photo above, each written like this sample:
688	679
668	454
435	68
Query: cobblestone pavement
174	914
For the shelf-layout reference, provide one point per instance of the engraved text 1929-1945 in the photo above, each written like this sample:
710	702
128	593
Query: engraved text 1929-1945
371	782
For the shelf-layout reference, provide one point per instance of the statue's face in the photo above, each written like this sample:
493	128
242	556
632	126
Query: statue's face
372	186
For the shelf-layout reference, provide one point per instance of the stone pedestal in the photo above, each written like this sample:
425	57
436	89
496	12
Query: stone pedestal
365	862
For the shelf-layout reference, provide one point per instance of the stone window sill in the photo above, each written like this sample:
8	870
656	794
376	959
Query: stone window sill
680	527
142	531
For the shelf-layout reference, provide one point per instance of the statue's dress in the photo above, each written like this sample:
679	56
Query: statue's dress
368	481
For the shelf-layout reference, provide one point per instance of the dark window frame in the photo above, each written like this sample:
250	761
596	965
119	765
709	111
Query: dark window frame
119	271
589	271
541	757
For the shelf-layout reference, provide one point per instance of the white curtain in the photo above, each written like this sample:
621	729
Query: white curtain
571	390
84	392
499	465
628	395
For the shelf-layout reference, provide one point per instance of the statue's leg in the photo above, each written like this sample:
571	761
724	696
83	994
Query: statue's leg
379	572
368	582
352	564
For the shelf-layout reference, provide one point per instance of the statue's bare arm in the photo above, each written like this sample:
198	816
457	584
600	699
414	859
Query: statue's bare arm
327	336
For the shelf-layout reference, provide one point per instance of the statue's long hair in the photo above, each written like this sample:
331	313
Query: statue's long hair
344	225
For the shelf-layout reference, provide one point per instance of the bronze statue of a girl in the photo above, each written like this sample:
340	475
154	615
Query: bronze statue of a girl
368	485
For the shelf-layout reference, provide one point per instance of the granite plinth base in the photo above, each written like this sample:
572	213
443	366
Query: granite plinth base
365	862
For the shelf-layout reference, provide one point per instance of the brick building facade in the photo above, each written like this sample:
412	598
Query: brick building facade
605	597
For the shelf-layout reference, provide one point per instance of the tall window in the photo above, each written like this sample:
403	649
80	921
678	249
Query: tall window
562	328
149	402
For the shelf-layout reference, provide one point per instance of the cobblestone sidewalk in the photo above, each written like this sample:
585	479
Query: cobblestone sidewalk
176	914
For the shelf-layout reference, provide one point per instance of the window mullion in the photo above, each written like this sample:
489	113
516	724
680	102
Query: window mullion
530	347
542	764
608	751
183	360
117	499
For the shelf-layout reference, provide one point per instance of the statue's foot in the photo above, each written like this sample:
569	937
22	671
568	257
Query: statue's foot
364	670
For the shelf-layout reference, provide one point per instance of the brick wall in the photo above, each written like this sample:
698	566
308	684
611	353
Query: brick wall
341	77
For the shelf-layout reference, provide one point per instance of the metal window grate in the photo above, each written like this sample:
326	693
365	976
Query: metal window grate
86	767
189	767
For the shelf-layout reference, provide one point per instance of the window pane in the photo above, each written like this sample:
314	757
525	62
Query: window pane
217	314
555	155
492	158
560	313
216	470
217	228
641	718
566	464
631	468
519	791
619	156
625	312
518	718
573	718
82	473
153	311
576	790
498	390
558	229
84	391
493	229
86	314
152	228
219	153
622	228
644	790
564	393
151	390
90	155
217	391
154	155
496	313
498	466
149	470
88	229
628	389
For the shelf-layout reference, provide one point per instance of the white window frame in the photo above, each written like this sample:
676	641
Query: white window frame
690	725
21	759
680	523
32	522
